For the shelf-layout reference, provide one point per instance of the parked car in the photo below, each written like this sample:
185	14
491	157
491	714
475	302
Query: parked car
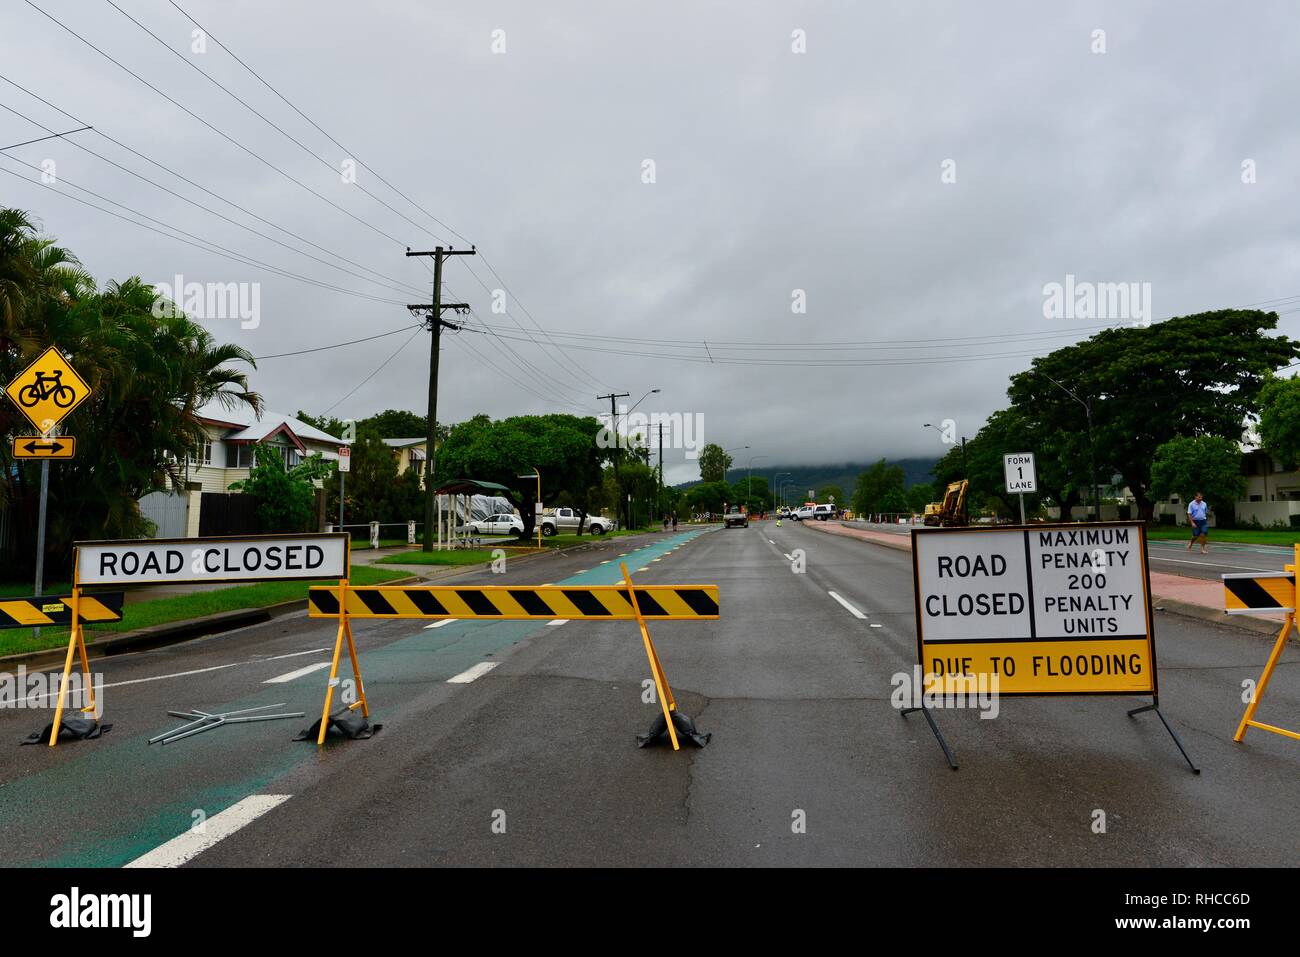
737	519
503	523
566	520
804	512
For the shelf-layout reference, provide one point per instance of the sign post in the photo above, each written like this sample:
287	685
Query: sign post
345	466
1020	477
1046	610
46	392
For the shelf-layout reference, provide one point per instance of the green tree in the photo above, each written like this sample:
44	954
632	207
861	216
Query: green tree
1279	419
284	498
562	447
714	463
709	497
919	496
149	375
831	493
1187	376
1207	464
874	484
894	501
752	492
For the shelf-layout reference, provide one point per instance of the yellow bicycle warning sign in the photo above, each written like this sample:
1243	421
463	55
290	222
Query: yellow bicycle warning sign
48	390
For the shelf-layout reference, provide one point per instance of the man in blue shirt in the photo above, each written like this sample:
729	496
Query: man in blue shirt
1199	513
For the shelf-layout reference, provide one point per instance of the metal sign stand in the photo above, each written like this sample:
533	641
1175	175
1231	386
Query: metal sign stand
206	722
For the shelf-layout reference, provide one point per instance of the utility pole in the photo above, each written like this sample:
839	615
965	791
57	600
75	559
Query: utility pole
433	321
659	498
613	426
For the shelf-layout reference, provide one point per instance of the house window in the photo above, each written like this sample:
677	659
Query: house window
291	457
243	456
203	455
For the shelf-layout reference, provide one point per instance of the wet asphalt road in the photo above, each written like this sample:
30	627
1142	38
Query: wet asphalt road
535	763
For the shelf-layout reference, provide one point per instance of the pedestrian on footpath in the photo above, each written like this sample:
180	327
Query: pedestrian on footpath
674	521
1199	513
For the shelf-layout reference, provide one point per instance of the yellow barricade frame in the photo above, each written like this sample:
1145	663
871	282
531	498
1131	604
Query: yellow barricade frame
1248	719
77	641
628	594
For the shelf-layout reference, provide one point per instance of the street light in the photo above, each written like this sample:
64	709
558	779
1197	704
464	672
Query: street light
965	502
1092	452
778	485
738	448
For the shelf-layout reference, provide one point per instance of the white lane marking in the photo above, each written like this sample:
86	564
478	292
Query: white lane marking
646	569
856	613
184	674
440	623
469	674
558	621
191	844
788	556
874	625
606	561
656	559
282	679
770	542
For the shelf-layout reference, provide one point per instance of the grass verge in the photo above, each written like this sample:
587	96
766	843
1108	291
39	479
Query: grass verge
1243	536
458	556
160	611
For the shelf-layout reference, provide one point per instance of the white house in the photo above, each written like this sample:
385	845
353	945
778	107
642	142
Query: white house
226	456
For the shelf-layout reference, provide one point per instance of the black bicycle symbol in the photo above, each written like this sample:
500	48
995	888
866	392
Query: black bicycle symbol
47	387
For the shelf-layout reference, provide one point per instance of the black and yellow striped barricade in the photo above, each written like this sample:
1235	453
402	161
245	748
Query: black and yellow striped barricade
627	602
1263	593
57	610
72	610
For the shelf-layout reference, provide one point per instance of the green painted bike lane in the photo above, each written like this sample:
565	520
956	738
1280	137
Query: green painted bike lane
120	798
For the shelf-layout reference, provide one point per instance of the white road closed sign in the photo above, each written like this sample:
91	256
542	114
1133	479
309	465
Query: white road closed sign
1051	609
1020	472
252	558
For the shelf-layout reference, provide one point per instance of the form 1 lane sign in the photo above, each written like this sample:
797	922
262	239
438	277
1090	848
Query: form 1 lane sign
1048	609
249	558
1019	472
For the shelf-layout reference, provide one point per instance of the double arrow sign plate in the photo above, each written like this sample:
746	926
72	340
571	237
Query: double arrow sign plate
46	392
36	447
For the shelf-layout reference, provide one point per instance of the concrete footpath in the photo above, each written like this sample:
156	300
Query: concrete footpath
1199	598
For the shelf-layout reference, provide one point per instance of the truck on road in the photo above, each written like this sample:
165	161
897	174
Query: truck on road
567	519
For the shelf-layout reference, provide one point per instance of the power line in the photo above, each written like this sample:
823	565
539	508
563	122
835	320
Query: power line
221	133
337	345
567	369
326	163
42	139
285	100
403	287
200	243
379	369
186	179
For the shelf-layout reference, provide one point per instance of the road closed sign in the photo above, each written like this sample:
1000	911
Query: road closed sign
251	558
1019	473
1051	609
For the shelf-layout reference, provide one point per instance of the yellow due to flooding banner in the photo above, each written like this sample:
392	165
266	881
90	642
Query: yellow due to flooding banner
1037	610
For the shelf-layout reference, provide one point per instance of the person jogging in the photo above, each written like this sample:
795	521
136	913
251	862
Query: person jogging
1199	513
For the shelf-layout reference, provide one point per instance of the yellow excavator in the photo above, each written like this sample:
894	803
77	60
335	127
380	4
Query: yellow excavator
951	512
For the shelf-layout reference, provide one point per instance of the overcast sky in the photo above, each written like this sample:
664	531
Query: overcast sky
921	172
